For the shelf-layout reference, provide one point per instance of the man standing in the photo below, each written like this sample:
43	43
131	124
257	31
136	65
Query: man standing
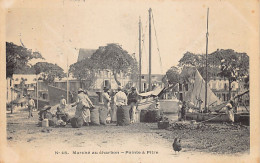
107	100
132	101
31	105
120	99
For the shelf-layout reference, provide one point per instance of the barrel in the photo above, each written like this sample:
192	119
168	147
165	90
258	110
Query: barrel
143	115
94	116
123	117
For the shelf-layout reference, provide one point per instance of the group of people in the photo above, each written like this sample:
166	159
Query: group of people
120	99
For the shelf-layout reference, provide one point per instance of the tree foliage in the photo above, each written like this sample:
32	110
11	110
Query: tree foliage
85	71
113	57
173	75
48	71
224	63
17	58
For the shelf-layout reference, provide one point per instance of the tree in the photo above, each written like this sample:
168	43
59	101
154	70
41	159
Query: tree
113	57
48	71
173	75
17	58
234	65
224	63
85	71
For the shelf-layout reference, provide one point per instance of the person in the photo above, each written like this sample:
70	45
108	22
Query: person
120	98
179	110
31	105
230	111
83	105
183	111
106	99
61	114
157	106
132	101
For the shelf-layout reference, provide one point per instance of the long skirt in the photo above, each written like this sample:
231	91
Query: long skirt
84	113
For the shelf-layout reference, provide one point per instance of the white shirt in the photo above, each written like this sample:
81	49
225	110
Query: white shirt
120	98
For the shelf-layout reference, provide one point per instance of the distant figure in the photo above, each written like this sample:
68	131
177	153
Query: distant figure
107	100
31	105
132	101
176	145
230	111
83	105
183	111
179	110
63	102
61	114
120	98
157	106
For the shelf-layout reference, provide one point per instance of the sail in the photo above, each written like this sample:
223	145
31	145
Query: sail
198	93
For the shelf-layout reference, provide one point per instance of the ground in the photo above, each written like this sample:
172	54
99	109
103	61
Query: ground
212	139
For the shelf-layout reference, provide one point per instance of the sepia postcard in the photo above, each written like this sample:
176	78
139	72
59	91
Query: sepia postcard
129	81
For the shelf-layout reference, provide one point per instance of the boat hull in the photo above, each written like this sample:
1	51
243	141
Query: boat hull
243	118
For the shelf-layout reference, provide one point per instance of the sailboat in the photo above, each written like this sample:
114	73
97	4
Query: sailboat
148	98
201	95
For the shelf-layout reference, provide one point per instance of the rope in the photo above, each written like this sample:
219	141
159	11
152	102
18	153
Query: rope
157	43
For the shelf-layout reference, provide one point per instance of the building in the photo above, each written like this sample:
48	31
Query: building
220	87
156	81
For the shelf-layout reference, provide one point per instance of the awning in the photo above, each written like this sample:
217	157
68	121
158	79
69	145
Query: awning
154	92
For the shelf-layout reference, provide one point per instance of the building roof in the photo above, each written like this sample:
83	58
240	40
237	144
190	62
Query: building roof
85	53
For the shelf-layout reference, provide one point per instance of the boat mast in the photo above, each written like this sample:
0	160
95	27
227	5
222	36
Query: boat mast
140	56
206	80
67	80
150	52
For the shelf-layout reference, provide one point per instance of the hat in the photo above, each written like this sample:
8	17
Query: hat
80	90
133	88
157	103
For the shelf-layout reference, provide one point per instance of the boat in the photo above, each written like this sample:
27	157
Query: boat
201	95
148	99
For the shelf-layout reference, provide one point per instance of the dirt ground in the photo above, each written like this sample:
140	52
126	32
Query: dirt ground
209	139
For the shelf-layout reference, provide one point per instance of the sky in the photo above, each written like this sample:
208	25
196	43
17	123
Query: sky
58	29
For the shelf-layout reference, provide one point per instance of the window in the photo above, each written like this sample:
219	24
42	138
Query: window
180	87
186	87
225	86
106	83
